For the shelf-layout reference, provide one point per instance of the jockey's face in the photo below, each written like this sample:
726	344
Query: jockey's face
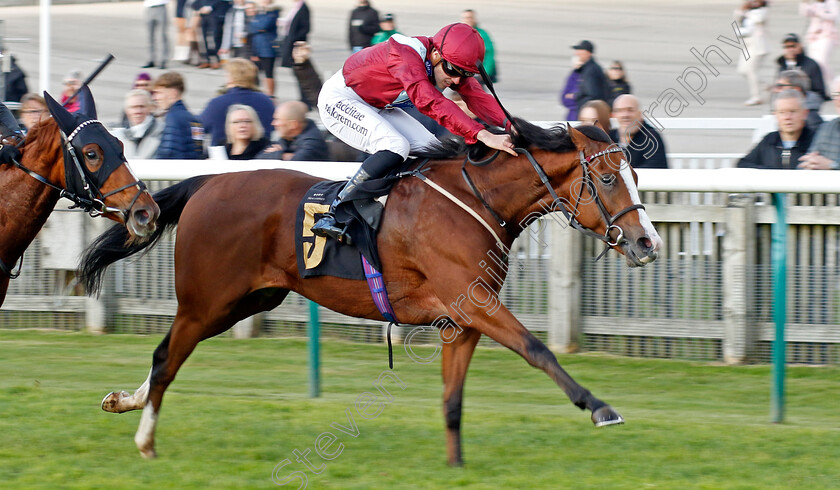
442	79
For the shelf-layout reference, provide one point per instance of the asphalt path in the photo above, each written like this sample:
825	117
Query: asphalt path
653	38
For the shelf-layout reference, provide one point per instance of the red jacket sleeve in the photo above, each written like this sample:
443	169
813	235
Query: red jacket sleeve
481	103
405	65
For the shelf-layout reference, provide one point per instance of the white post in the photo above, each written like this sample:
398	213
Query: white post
738	262
44	48
564	288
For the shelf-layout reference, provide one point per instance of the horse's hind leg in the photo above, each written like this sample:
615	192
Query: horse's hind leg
456	360
124	401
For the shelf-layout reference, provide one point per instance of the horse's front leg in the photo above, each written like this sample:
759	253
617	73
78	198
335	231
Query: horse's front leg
491	318
456	360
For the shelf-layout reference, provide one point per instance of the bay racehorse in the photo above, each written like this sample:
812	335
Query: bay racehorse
74	156
235	255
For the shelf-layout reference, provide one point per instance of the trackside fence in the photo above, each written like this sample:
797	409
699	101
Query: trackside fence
708	296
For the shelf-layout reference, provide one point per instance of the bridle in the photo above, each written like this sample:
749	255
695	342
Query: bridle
588	183
85	192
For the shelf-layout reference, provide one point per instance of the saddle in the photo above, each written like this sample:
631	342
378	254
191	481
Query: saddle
361	211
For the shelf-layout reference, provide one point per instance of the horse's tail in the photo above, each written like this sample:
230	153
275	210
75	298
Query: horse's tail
115	244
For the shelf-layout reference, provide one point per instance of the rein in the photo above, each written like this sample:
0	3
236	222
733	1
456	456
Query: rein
608	218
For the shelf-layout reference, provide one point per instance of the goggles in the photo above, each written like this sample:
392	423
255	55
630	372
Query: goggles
454	71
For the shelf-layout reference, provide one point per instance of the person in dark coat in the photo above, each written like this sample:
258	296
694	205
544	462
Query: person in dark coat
593	82
245	136
616	82
640	141
296	29
212	21
783	149
15	82
364	24
300	139
241	89
794	59
263	29
183	135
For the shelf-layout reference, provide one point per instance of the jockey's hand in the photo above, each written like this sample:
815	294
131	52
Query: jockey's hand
496	141
9	152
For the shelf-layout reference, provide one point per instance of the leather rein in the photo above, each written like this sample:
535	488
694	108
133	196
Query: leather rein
588	183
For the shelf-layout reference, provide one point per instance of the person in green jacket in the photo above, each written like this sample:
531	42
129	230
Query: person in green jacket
468	17
387	29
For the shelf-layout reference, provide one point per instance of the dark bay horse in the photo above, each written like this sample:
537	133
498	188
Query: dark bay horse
75	154
235	255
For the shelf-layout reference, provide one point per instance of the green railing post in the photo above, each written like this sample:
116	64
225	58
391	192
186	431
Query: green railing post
779	259
314	351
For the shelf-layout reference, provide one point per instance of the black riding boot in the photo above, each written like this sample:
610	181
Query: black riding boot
374	167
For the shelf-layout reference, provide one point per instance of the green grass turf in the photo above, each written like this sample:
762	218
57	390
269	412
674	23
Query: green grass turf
239	407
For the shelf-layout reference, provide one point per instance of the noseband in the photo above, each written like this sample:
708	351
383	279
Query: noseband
588	183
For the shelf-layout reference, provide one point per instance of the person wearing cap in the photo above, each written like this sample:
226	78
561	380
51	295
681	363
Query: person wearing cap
387	28
794	59
361	104
593	83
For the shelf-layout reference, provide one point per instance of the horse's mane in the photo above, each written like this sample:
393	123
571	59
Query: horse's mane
555	138
44	137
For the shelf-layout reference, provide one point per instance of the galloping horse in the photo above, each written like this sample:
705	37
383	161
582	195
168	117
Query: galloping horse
91	171
235	255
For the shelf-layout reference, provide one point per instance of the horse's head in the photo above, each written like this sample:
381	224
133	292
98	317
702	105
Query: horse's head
604	199
96	172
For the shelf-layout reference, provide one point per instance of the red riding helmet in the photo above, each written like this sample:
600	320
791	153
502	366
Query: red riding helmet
461	45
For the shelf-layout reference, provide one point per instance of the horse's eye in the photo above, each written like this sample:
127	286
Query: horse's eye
91	155
608	179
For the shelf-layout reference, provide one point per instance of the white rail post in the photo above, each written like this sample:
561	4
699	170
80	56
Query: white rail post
738	262
99	311
564	296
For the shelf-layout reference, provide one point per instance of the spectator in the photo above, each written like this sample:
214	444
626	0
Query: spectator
387	28
245	135
157	20
794	58
15	81
212	19
300	139
236	38
364	24
798	80
263	28
142	81
72	83
182	41
596	113
307	76
593	82
296	30
141	137
822	32
33	109
616	82
241	89
468	17
569	93
751	18
784	148
642	144
183	135
824	152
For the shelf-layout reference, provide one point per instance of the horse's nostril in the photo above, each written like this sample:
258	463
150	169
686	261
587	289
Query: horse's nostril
141	217
645	244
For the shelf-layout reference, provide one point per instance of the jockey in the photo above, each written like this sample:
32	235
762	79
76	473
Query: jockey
10	134
361	104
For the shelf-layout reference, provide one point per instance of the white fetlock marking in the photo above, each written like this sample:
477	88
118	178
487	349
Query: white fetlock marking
146	431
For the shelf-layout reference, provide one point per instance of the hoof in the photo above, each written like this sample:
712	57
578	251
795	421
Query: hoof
606	416
112	400
148	453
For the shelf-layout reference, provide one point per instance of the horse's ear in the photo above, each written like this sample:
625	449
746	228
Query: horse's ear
87	107
579	139
66	121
